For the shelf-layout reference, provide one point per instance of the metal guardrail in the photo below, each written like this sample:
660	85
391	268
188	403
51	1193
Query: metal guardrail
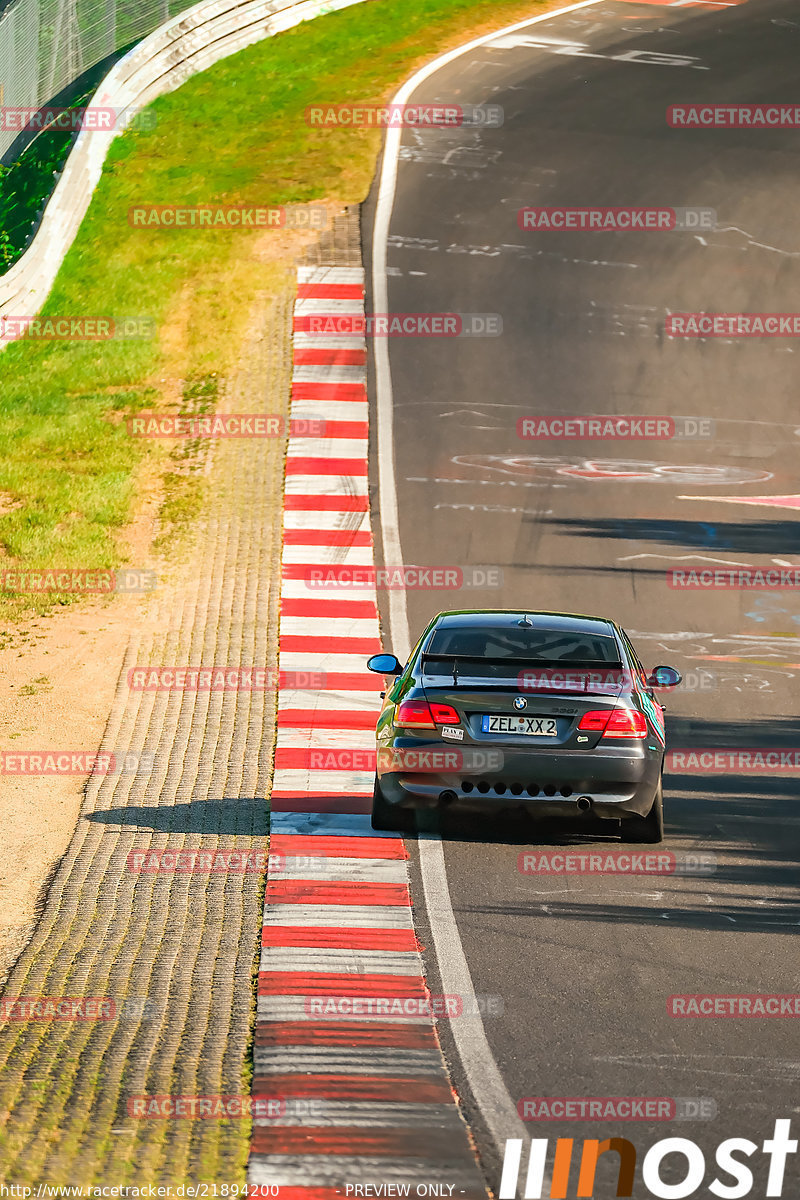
164	60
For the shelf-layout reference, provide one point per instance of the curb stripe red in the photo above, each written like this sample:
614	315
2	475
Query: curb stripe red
343	681
330	392
335	918
406	1035
336	986
326	718
312	891
346	429
330	645
329	608
338	937
422	1088
330	291
330	357
298	502
324	758
325	466
327	537
344	805
338	847
410	1141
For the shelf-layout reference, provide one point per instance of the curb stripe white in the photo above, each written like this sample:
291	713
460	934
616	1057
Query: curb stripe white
367	1115
340	962
337	791
363	870
345	1060
336	1170
367	916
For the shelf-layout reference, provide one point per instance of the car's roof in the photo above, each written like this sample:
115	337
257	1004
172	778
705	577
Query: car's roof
504	618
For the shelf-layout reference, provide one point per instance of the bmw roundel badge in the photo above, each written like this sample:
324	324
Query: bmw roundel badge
520	702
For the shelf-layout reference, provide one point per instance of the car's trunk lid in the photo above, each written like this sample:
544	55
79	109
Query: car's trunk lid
537	707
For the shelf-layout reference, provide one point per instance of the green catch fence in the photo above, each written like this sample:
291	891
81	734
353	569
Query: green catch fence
46	45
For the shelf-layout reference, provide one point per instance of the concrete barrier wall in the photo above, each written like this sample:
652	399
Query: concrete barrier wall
160	63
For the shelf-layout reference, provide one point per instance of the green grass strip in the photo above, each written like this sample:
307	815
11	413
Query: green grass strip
234	134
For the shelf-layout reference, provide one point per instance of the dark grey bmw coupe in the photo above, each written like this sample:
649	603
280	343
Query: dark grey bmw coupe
505	708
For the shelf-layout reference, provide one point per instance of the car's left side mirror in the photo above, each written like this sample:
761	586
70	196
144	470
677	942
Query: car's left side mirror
664	677
385	664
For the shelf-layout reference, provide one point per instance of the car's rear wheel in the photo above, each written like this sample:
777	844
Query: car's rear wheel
389	816
649	828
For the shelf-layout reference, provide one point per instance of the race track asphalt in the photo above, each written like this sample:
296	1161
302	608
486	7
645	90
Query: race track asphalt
584	964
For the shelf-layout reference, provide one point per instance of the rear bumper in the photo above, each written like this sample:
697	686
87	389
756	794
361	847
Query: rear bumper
619	782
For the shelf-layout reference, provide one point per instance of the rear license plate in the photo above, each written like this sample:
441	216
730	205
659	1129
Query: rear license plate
527	726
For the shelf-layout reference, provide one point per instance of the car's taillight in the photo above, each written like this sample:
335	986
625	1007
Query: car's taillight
596	720
416	714
445	714
626	723
615	722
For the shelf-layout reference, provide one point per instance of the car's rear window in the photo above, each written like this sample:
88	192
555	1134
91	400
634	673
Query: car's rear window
523	642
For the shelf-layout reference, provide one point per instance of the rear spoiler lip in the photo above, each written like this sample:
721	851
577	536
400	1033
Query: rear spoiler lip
547	664
465	684
612	680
